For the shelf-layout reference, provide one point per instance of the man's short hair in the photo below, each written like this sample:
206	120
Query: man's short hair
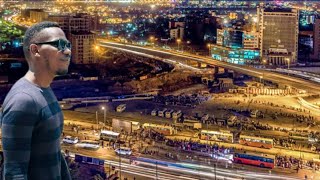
32	35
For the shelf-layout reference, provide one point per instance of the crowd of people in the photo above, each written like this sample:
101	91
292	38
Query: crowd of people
295	163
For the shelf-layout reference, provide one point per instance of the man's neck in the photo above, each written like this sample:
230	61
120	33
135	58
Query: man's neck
40	80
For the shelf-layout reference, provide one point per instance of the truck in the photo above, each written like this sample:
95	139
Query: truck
162	112
121	108
154	112
169	113
176	114
192	124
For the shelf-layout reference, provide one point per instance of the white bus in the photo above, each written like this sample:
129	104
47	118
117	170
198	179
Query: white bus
88	144
109	135
216	136
176	114
121	107
166	130
162	112
169	113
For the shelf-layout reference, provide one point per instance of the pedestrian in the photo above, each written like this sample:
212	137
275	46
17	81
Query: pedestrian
32	120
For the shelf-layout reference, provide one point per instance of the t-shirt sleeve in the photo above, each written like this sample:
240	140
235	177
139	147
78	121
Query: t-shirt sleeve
18	119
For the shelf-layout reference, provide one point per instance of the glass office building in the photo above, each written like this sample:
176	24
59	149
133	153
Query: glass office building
235	55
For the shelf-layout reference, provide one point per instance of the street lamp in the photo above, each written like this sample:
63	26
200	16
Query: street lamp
264	61
152	40
104	114
209	48
178	41
288	59
97	119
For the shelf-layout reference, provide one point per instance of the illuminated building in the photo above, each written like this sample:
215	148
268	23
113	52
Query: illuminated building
77	23
278	36
77	29
220	37
177	33
82	47
235	46
235	55
316	40
233	15
229	37
38	15
176	30
250	40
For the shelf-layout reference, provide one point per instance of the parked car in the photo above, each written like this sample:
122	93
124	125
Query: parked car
123	151
70	140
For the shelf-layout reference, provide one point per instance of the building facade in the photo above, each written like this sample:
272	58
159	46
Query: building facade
278	35
316	40
228	37
38	15
77	23
250	40
177	33
82	47
235	55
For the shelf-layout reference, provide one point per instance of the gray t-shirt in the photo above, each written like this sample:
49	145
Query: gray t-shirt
32	122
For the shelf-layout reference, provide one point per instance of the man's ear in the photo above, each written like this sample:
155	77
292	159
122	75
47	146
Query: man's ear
34	49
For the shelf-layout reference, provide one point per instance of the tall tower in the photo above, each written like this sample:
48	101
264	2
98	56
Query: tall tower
278	35
316	40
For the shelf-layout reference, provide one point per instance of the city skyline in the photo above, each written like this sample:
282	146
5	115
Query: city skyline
181	91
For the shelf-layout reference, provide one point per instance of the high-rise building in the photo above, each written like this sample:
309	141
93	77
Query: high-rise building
316	40
77	23
176	30
228	37
77	29
278	36
38	15
82	47
250	40
177	33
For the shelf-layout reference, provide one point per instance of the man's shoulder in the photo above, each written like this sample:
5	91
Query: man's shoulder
21	94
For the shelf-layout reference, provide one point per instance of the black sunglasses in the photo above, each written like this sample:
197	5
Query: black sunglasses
60	44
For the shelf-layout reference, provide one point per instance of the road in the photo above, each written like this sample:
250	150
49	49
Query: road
281	79
166	170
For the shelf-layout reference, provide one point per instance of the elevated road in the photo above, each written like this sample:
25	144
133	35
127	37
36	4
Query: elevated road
280	79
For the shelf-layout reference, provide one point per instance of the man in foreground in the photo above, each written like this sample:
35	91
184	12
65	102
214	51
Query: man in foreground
32	120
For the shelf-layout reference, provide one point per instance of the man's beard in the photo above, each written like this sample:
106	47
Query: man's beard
61	72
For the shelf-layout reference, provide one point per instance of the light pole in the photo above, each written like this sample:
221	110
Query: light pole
152	40
288	59
178	41
119	162
97	119
156	170
209	48
215	171
207	138
104	114
188	45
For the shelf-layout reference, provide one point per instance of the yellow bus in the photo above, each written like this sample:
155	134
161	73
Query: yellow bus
256	141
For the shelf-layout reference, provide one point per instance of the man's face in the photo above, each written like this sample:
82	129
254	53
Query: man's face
55	51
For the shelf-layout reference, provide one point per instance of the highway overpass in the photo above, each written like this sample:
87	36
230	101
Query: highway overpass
280	79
